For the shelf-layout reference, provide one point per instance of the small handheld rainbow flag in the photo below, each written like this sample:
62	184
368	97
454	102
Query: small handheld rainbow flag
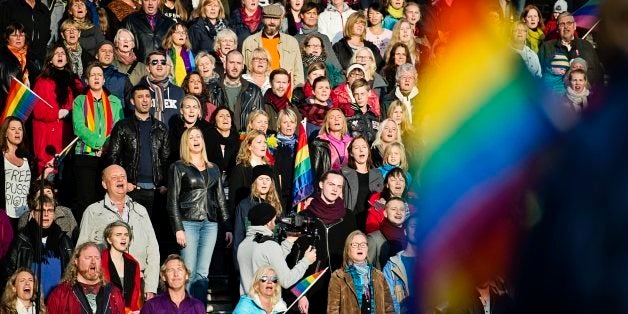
303	182
304	285
20	101
60	156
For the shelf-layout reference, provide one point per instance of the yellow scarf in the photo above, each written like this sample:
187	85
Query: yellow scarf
396	13
179	69
535	39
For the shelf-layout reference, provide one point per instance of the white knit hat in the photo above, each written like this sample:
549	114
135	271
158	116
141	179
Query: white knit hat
560	6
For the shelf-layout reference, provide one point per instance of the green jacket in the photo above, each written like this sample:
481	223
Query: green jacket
90	142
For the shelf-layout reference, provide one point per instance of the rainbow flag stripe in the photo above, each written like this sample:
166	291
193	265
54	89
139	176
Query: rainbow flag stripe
303	285
20	101
484	120
303	182
587	15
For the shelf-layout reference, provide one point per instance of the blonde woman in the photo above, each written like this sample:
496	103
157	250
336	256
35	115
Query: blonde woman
264	297
20	293
388	133
398	112
329	148
209	19
258	120
178	48
395	157
263	190
358	287
355	37
258	69
366	58
252	153
403	32
196	201
91	36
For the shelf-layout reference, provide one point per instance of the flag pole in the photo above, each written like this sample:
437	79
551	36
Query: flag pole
307	289
45	102
591	29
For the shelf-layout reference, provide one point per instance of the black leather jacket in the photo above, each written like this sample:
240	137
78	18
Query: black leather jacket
10	66
22	253
191	198
321	157
147	40
125	149
249	99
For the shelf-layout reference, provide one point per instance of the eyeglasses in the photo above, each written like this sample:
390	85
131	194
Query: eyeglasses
17	34
45	210
266	278
71	30
356	74
256	59
363	57
563	24
362	245
155	62
314	46
181	33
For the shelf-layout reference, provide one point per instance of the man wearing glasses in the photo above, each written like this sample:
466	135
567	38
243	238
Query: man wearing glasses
56	245
567	44
166	96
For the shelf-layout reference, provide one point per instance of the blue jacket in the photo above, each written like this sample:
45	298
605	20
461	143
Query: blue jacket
118	84
397	279
172	100
248	305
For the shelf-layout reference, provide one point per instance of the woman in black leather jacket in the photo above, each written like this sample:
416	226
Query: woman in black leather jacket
195	201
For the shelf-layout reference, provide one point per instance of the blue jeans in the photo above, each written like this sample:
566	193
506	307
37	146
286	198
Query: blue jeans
200	237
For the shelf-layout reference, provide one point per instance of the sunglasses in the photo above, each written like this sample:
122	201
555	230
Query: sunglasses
155	62
266	278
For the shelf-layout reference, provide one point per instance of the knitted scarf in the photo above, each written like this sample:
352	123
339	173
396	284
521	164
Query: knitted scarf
578	100
535	39
396	13
290	141
90	113
159	87
182	64
83	24
75	59
309	59
407	100
20	54
328	213
392	233
252	22
125	59
361	275
278	102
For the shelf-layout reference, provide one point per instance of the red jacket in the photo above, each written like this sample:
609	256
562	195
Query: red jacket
341	99
132	298
47	127
63	300
375	214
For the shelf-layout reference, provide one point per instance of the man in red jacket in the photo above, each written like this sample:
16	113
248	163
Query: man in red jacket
83	288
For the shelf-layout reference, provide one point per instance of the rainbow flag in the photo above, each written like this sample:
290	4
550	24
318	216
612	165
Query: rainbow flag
483	119
20	101
587	15
301	288
303	182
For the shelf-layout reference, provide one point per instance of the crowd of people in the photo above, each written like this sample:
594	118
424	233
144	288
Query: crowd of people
182	120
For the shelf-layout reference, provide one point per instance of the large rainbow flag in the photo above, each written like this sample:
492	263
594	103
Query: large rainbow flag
303	182
587	15
484	119
20	101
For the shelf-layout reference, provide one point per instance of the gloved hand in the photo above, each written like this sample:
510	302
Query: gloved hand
63	113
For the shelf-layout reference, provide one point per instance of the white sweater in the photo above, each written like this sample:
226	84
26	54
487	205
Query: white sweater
331	22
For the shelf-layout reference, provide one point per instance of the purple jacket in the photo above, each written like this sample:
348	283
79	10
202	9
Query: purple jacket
161	304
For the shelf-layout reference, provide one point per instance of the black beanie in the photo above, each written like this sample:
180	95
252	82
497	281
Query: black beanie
261	214
263	170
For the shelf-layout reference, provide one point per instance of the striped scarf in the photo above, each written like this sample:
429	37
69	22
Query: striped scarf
90	113
182	64
361	275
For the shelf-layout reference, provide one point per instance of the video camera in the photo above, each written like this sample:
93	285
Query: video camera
296	225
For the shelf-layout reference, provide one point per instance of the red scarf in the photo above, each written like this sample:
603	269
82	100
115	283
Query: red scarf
392	233
253	21
328	213
90	113
279	102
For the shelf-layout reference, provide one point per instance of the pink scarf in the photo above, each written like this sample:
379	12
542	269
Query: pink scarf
338	149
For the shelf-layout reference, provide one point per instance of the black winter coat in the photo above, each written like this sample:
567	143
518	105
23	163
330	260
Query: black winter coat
344	53
226	161
36	23
125	148
321	157
240	28
176	129
147	40
365	124
202	34
192	198
22	253
10	66
249	100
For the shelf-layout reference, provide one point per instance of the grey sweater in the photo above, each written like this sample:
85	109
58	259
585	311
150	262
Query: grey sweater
252	255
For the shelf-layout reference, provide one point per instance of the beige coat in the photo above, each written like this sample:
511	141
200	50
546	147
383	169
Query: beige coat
289	54
343	298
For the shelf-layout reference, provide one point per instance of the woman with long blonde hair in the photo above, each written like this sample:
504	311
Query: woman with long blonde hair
20	293
196	200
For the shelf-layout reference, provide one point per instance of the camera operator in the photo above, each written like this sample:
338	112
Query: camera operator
260	248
